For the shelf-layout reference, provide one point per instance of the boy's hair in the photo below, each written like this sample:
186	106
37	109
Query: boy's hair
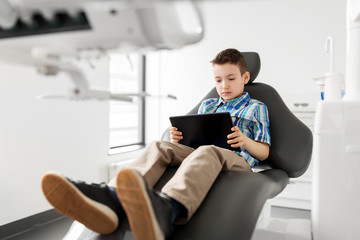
233	56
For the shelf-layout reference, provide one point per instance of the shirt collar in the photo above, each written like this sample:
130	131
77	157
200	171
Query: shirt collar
242	99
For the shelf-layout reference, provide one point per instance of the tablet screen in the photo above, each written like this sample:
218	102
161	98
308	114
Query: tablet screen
204	129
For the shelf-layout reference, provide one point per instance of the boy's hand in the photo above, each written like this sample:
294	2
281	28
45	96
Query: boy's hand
175	135
259	150
237	138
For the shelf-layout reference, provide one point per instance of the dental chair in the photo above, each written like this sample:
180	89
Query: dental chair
232	207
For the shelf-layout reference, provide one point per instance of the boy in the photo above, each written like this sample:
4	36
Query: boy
151	213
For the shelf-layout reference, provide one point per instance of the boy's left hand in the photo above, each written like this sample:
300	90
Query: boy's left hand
237	138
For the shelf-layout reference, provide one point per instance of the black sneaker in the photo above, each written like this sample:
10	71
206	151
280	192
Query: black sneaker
148	211
91	205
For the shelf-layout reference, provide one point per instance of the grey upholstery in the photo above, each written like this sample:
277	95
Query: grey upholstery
233	204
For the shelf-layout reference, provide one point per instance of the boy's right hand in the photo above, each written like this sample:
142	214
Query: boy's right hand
175	135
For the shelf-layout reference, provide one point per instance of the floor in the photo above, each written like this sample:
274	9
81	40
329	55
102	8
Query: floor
54	230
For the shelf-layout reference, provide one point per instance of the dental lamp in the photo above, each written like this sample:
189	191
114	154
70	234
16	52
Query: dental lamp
50	34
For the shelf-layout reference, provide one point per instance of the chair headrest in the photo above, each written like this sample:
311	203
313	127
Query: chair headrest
253	64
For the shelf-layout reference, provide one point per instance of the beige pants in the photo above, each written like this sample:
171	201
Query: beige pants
198	169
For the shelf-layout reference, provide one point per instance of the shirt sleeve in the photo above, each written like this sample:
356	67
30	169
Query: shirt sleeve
207	106
262	123
202	107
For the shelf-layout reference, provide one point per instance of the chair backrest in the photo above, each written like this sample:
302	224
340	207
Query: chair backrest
291	140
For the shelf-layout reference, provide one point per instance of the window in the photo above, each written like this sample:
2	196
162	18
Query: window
127	73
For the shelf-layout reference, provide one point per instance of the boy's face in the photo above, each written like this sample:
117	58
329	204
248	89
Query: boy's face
228	80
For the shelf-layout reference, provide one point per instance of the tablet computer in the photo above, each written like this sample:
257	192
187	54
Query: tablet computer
204	129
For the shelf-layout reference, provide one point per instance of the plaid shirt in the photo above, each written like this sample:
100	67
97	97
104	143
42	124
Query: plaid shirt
250	115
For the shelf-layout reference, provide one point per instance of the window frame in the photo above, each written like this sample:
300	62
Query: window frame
142	113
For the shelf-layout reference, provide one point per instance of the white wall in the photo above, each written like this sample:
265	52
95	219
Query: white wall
289	35
38	136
